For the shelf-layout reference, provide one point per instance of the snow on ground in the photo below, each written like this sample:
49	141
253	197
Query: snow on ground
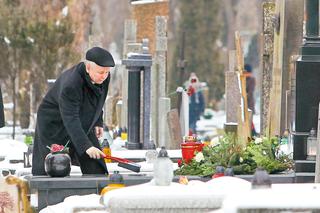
6	132
84	202
197	196
11	155
217	121
12	149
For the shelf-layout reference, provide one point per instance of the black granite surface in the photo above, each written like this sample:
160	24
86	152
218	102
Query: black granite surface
304	166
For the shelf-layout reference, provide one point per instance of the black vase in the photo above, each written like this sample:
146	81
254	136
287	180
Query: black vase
57	164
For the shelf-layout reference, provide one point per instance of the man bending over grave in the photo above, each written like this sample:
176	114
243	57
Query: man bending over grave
72	111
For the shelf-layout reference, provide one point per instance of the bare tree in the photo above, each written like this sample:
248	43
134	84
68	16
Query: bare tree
15	47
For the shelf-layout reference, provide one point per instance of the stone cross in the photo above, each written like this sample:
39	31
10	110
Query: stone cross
243	116
160	104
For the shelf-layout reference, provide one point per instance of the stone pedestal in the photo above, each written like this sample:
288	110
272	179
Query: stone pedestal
135	64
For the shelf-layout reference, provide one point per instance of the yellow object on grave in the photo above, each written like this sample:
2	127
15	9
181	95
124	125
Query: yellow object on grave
124	136
116	182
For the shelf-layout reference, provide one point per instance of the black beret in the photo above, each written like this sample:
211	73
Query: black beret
100	56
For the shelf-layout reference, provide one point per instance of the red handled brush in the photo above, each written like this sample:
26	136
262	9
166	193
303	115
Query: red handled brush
127	164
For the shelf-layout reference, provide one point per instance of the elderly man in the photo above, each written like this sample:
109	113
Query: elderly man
72	111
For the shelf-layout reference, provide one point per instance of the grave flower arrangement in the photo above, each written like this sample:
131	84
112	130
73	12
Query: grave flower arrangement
56	148
244	158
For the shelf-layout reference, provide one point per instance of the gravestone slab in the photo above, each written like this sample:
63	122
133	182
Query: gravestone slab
233	96
292	41
266	78
287	39
174	126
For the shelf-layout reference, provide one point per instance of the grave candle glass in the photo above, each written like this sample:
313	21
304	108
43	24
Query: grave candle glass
312	145
163	169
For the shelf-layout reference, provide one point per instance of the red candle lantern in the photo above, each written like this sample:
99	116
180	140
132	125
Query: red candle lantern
189	147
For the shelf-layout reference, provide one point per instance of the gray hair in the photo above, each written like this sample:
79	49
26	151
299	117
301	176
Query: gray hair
89	62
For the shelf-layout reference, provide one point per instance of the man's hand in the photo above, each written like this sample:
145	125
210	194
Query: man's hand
95	153
99	131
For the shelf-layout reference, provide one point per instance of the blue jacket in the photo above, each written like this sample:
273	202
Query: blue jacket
196	105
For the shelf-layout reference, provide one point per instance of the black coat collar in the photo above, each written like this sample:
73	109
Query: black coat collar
97	89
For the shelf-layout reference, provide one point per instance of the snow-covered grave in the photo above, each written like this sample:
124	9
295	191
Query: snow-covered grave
197	196
225	194
11	154
279	198
77	203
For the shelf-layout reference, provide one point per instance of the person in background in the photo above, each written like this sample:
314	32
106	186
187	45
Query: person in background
72	111
196	101
2	120
250	87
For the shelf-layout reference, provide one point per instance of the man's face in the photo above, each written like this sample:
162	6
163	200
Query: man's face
97	73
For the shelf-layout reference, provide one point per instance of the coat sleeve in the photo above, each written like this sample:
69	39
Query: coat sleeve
100	120
70	108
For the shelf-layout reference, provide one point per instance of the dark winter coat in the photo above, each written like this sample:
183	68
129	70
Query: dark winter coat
66	113
250	86
196	108
2	121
